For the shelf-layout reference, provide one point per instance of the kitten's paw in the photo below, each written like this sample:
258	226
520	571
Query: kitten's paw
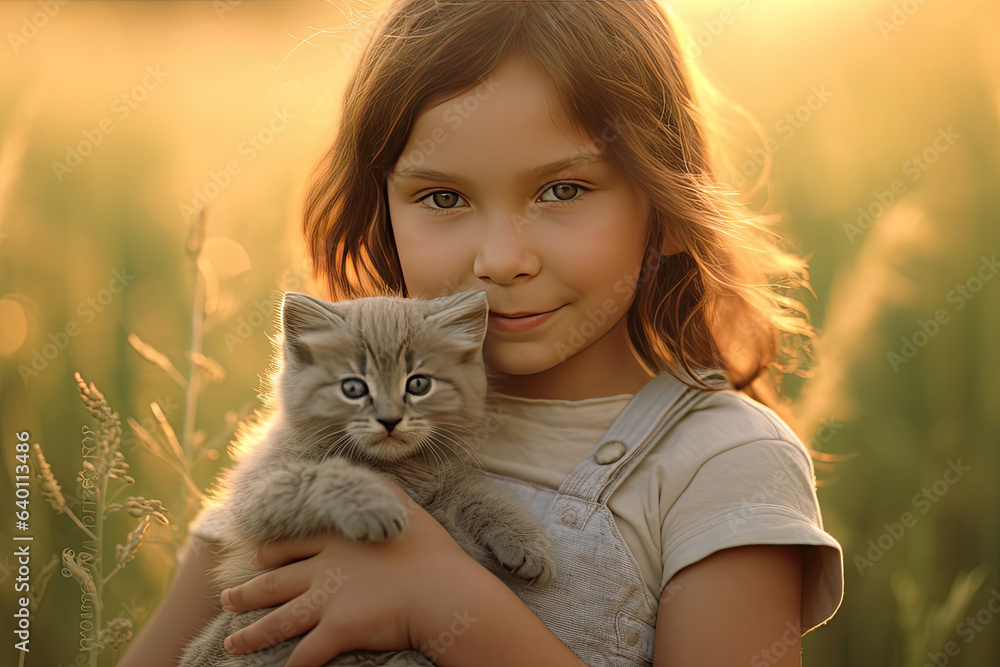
379	517
529	559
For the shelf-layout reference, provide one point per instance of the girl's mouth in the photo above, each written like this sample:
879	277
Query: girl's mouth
519	324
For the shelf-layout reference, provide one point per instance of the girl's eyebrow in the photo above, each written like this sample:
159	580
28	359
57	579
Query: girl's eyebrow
544	170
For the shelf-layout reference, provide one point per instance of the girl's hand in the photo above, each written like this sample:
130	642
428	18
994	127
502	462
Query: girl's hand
395	594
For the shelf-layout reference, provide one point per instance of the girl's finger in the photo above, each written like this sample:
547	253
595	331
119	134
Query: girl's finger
316	649
283	623
267	590
279	552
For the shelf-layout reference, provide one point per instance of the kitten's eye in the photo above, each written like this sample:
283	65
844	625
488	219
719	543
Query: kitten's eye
418	385
354	388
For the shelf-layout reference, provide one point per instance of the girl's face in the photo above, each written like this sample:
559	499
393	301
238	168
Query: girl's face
484	197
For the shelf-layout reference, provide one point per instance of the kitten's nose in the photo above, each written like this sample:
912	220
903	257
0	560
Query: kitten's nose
389	423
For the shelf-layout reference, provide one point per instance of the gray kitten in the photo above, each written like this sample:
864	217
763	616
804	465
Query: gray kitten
366	389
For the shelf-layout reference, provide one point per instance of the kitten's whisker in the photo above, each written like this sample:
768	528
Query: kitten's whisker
453	462
319	437
315	434
439	463
455	425
463	446
423	451
310	430
427	445
332	448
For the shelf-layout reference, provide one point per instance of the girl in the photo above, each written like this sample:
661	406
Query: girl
554	155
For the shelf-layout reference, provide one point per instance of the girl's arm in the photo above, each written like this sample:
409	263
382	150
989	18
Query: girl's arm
189	605
737	606
419	590
505	632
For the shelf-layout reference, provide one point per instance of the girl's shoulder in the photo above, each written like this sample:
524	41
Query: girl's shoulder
727	455
727	419
210	523
730	473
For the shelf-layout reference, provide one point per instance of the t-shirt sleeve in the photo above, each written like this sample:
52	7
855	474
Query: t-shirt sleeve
208	523
762	492
206	527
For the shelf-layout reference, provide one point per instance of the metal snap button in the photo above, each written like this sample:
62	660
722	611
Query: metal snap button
609	452
568	518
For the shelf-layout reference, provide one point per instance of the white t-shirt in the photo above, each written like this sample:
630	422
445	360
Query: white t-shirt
730	473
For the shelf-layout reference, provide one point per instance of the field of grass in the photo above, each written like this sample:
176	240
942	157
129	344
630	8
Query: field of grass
119	121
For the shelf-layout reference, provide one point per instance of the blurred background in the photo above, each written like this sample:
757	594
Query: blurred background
119	121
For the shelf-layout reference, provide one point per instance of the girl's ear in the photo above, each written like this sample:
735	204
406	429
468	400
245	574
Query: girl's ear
465	313
300	315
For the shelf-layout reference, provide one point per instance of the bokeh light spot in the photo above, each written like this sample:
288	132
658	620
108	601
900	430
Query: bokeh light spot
15	326
228	257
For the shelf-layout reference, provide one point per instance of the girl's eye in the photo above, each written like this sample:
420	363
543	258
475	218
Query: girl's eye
564	192
354	387
446	200
418	385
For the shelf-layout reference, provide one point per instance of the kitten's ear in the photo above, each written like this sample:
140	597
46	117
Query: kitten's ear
301	314
465	313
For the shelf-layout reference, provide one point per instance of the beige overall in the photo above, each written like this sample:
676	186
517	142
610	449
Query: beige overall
598	604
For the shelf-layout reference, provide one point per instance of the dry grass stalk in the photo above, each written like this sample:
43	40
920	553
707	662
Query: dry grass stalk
213	369
116	633
106	463
41	584
868	289
51	490
174	458
156	357
168	431
76	565
109	433
126	552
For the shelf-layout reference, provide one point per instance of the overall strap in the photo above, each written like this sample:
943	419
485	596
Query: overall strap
643	422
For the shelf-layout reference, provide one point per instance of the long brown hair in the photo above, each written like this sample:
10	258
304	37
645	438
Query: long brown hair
725	301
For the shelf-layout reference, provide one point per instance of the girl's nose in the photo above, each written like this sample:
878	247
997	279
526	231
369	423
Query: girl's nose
506	252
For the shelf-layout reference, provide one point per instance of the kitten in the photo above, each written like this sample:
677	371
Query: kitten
366	389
